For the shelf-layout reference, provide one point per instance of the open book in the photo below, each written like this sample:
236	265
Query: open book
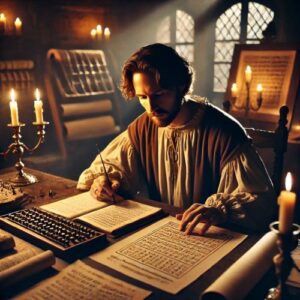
114	219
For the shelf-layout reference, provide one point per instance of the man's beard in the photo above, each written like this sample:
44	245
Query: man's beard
163	118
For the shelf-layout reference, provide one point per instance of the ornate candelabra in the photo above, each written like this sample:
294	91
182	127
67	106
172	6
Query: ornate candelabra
18	147
283	261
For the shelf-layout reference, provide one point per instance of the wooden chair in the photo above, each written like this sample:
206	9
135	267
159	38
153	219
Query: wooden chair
276	140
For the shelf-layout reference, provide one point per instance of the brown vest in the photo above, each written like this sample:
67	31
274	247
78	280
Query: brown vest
220	139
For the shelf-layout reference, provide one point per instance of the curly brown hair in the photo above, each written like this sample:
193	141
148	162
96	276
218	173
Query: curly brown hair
169	69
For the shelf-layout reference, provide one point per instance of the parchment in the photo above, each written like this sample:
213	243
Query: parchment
75	206
242	276
90	128
272	69
80	281
23	264
80	109
118	215
164	257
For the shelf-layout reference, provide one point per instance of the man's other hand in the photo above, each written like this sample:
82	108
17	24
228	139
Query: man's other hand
199	213
102	190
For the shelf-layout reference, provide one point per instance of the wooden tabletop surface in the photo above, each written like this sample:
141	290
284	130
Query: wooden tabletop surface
51	188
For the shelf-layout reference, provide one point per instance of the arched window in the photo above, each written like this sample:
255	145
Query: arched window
177	30
241	23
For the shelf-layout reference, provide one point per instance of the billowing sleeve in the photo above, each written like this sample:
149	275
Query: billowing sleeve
121	162
245	193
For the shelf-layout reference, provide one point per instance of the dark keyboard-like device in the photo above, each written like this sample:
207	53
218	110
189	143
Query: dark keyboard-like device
50	231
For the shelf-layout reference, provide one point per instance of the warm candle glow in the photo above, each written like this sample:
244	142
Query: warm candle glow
12	95
13	105
99	32
2	23
234	90
38	108
93	33
288	181
37	94
259	87
18	25
106	33
2	17
248	74
259	90
287	202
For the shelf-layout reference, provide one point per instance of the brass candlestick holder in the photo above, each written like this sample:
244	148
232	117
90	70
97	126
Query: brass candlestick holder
283	260
18	147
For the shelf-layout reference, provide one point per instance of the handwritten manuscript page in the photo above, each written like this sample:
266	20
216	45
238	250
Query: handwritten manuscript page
80	281
119	215
164	257
75	206
272	69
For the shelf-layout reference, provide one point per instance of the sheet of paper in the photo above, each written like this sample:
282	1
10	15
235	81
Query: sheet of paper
118	215
80	281
241	277
75	206
164	257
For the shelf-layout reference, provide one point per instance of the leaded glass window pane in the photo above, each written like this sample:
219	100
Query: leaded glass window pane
228	24
163	35
221	72
184	27
187	51
228	33
181	37
224	51
259	16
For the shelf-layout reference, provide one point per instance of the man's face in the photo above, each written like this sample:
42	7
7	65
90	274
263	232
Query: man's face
161	105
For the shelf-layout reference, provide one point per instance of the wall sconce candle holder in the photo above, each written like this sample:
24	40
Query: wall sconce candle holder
283	261
18	148
248	105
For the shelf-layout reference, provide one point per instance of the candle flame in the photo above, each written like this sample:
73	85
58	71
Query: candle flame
288	181
12	95
93	32
37	94
2	17
259	87
248	69
18	22
234	87
106	31
99	28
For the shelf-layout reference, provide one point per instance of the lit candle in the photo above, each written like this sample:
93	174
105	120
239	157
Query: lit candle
106	33
259	90
234	90
248	74
13	105
287	201
99	32
2	23
18	26
93	33
38	108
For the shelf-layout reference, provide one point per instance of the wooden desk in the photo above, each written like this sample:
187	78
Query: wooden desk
60	188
